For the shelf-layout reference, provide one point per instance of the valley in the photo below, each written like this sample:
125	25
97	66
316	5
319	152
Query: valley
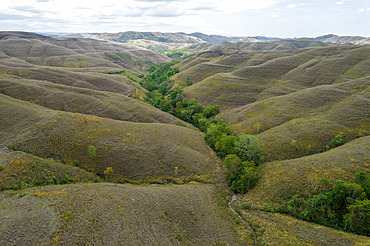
105	140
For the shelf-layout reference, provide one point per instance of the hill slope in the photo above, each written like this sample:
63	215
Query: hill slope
281	179
82	100
311	117
107	214
133	150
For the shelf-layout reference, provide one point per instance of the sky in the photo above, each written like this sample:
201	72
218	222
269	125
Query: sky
273	18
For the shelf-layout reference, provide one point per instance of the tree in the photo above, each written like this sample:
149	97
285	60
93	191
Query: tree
215	132
210	111
248	148
241	176
226	145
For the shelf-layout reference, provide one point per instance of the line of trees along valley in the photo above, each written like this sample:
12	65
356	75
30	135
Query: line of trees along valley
344	207
241	154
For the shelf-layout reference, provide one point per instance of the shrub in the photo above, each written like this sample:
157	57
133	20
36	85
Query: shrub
92	150
294	144
248	148
108	172
336	142
214	133
241	176
226	145
10	146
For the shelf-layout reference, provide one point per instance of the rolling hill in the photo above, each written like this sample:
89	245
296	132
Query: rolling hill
133	150
308	95
83	160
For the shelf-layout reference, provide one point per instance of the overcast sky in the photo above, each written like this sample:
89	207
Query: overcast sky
279	18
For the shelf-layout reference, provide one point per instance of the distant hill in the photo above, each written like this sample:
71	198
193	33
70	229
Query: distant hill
251	44
331	38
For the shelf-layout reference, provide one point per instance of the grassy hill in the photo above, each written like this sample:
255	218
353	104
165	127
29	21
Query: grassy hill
68	115
307	95
76	53
83	100
23	170
281	179
311	117
259	75
133	150
103	214
108	214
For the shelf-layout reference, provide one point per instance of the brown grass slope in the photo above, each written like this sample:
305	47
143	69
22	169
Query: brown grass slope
260	75
133	150
75	53
250	44
279	229
24	170
107	214
83	100
281	179
311	116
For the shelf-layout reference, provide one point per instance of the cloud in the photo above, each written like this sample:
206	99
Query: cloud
231	17
26	8
295	5
163	11
160	1
7	16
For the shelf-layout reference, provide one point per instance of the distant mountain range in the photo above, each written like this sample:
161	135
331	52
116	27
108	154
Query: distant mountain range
197	37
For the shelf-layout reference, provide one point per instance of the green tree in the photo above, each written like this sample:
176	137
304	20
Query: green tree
241	176
214	133
363	178
226	145
249	148
358	218
210	111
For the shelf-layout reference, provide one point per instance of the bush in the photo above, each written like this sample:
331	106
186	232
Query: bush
248	148
336	142
345	207
10	146
214	133
226	145
241	176
92	150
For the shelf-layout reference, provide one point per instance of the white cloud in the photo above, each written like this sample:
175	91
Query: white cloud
232	17
363	9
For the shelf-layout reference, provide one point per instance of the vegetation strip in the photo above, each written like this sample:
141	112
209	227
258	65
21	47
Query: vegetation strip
241	154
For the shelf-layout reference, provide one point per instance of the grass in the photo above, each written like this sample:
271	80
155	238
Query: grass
311	117
282	179
119	214
82	100
265	74
133	150
278	229
24	170
55	106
